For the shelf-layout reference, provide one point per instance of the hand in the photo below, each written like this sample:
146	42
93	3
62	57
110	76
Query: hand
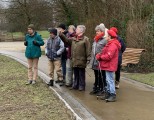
98	56
25	43
35	43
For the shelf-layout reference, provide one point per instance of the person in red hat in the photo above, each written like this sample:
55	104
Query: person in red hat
108	60
123	48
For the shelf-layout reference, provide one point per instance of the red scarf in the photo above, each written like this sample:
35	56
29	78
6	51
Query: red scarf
98	37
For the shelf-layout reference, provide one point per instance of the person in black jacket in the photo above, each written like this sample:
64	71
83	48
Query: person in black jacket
123	47
62	28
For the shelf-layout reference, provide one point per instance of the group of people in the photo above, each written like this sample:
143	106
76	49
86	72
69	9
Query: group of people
69	52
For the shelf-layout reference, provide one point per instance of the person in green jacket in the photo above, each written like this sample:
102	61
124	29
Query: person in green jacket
33	41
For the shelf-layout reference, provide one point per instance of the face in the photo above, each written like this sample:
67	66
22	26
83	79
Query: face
78	31
98	32
70	30
30	31
108	38
60	30
52	35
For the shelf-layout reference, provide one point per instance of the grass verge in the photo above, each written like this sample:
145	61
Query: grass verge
144	78
21	102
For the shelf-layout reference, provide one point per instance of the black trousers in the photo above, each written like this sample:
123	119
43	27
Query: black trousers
117	73
100	80
79	78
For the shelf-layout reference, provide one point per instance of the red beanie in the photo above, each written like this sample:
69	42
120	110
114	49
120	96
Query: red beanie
112	33
114	29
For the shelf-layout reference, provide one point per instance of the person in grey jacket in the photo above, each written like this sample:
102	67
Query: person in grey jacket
53	49
98	44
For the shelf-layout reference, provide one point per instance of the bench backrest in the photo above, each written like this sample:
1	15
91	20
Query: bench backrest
131	55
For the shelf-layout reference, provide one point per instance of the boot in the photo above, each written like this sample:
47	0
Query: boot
106	96
93	92
112	98
61	83
51	83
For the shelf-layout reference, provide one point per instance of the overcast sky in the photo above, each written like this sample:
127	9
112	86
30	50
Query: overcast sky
4	4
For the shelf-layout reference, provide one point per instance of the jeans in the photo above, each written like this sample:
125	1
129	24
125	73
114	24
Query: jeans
69	72
110	82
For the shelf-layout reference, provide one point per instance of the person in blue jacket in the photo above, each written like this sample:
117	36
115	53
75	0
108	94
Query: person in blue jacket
33	41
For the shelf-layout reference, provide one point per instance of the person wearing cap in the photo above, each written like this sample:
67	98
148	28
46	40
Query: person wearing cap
62	28
108	61
98	45
123	48
33	41
54	48
80	55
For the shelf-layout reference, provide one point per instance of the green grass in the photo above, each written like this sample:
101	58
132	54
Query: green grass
21	102
45	34
144	78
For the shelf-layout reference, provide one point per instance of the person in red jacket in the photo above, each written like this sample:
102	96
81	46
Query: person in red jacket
108	61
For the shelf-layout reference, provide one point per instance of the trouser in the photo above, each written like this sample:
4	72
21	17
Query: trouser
110	82
117	73
100	80
32	68
55	65
69	72
79	78
63	63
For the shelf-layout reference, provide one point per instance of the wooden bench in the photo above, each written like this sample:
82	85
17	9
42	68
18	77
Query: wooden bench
131	56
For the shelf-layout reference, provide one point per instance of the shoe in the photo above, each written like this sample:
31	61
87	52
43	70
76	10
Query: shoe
29	82
100	93
117	85
51	83
61	83
73	88
81	89
112	98
93	92
69	85
106	96
57	81
33	82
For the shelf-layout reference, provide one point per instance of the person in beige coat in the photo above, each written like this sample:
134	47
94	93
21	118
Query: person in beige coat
80	55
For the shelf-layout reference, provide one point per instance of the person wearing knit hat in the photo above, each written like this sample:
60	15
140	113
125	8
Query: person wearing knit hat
62	28
31	26
33	41
123	47
54	48
100	77
108	59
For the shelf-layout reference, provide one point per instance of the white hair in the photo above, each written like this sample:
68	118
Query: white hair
100	27
82	28
72	26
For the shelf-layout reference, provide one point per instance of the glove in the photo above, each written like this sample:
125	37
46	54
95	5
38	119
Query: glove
35	43
98	57
25	43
